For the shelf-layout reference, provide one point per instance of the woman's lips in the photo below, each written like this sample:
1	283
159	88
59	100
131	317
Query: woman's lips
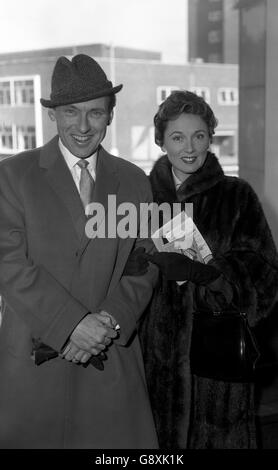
188	159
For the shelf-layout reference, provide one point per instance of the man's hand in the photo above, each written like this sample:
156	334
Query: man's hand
108	320
92	335
41	353
74	354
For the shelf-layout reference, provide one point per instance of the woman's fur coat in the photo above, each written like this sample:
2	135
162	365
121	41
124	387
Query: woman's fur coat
190	411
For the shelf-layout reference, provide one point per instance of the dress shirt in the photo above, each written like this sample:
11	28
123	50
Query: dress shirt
71	160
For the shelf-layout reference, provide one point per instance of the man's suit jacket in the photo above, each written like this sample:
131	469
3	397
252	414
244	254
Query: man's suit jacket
51	276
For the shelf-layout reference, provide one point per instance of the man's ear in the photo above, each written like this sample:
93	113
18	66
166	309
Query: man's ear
51	114
110	119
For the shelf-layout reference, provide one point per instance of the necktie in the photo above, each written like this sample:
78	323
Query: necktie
86	184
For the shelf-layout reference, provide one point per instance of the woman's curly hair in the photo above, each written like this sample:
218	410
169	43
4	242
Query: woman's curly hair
178	102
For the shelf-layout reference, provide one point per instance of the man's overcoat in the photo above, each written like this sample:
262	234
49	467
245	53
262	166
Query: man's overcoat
51	275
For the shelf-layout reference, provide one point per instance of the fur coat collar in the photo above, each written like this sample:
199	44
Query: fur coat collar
164	188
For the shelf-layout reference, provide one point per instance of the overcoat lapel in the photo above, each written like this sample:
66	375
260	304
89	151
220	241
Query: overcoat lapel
61	181
107	179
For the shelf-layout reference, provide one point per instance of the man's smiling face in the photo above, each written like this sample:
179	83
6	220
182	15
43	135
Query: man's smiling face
82	126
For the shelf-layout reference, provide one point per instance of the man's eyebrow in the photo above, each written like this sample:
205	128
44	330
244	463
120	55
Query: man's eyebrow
176	132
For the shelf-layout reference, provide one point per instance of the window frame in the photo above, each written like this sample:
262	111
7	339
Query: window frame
198	89
228	92
168	89
36	79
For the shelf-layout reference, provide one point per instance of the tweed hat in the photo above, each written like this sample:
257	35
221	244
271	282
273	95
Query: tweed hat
78	80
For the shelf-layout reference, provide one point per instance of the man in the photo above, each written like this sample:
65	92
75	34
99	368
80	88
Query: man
65	292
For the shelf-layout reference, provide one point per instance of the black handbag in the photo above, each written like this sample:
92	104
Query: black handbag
223	347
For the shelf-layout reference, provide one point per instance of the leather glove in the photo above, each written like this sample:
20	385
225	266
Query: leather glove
178	267
136	264
41	353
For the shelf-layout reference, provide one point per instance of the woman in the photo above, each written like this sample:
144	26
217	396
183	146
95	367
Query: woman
190	411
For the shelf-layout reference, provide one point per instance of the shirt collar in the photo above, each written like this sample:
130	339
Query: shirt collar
71	159
177	181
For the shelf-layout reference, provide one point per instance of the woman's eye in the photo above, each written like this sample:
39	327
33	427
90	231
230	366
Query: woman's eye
200	136
177	138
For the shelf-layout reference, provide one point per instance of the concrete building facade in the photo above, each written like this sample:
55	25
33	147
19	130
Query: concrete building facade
25	77
259	102
213	31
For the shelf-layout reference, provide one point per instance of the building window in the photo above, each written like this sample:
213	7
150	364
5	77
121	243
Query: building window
5	93
201	91
6	137
214	15
21	124
214	58
23	92
225	148
17	138
227	96
224	145
214	36
14	92
163	92
144	151
26	137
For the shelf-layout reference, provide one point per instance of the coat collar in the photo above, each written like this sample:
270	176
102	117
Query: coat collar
60	179
205	178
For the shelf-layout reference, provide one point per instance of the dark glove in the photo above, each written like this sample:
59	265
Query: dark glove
136	264
178	267
41	353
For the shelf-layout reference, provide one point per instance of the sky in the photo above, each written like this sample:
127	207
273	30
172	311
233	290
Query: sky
157	25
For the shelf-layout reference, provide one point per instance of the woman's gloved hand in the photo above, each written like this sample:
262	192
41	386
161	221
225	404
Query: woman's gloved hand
178	267
137	264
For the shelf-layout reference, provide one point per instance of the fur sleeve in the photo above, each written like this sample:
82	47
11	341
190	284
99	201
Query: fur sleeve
251	263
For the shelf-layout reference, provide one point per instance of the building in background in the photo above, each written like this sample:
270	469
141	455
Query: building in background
213	31
25	77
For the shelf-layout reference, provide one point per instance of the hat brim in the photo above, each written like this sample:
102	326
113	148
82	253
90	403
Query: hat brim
63	100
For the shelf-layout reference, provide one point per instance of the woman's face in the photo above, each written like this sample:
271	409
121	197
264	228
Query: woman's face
186	141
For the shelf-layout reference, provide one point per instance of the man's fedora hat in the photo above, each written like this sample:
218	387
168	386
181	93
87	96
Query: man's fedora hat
81	79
